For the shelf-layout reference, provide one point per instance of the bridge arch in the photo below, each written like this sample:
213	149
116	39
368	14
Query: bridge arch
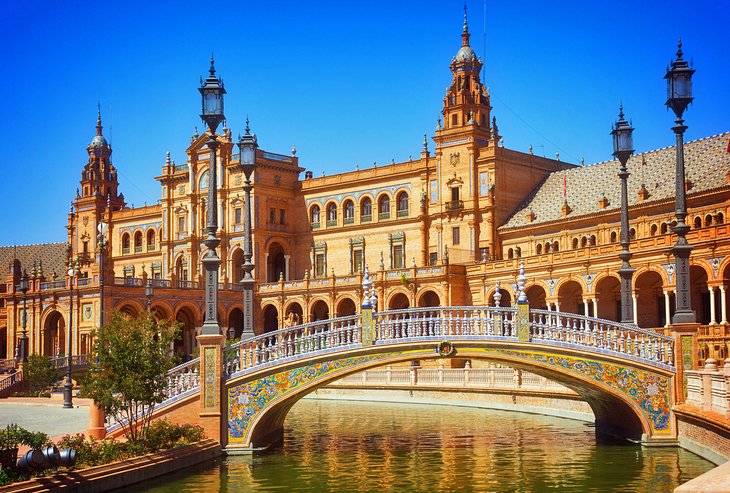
627	400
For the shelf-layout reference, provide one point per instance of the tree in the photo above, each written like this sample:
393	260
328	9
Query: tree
127	376
38	372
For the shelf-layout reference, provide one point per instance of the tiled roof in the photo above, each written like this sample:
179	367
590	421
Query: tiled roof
707	163
53	256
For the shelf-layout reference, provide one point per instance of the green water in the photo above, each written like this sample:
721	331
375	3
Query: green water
334	446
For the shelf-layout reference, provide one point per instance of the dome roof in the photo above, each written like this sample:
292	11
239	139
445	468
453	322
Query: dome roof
465	54
99	141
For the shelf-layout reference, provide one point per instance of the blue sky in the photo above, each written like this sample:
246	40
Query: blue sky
346	82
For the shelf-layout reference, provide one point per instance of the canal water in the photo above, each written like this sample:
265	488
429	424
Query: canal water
336	446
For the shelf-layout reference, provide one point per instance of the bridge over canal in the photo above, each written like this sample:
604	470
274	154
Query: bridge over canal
241	393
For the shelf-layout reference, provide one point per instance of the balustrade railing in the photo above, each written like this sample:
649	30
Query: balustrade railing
291	342
10	380
578	330
183	378
76	360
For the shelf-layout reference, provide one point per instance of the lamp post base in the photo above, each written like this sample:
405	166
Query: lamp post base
68	395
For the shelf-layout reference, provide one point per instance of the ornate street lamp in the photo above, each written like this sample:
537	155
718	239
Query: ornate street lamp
212	92
68	386
247	146
623	148
23	355
101	238
149	292
679	96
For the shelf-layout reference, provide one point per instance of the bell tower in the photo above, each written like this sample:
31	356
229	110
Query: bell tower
97	197
466	103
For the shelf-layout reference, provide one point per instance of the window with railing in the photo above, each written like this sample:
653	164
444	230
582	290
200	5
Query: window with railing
319	256
366	210
402	205
125	243
331	215
349	211
384	207
151	240
314	217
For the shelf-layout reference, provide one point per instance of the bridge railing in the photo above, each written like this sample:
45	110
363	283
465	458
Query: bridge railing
446	322
76	360
603	335
183	378
294	341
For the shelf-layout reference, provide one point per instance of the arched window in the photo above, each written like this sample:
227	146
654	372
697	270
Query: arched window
698	222
632	234
664	228
331	215
402	204
349	211
584	242
384	207
575	243
653	229
556	246
366	210
203	183
592	240
138	242
314	217
613	237
538	249
708	220
719	218
510	253
125	243
150	240
548	247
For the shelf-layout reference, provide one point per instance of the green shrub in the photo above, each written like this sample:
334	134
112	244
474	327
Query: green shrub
39	372
163	435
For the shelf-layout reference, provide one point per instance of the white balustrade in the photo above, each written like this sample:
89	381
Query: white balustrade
183	378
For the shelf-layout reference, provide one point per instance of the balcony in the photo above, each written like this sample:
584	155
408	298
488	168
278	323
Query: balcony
314	225
125	250
454	205
331	223
349	220
402	213
138	249
384	215
366	218
150	248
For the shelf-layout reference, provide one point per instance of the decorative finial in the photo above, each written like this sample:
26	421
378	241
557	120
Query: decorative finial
582	162
366	284
212	65
557	156
621	110
466	27
425	143
293	150
438	123
98	119
195	134
497	294
167	158
530	149
521	280
248	130
679	48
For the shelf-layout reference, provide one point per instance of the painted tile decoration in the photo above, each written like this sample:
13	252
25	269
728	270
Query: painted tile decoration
650	391
246	400
210	377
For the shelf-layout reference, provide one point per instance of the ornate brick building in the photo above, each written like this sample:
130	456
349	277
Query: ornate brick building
440	229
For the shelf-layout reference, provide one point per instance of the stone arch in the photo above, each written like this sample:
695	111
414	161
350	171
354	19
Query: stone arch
505	300
429	298
151	238
54	330
536	297
185	342
402	200
398	300
293	313
348	210
126	242
236	266
138	241
345	307
182	269
130	308
619	409
384	200
161	310
570	297
271	317
235	322
648	287
608	298
319	310
275	261
330	211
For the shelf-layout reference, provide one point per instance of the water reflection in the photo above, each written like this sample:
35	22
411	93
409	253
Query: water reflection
333	446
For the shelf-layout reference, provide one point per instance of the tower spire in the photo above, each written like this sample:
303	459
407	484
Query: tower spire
98	119
465	33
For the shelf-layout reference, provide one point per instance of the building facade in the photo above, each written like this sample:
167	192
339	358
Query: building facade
441	229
